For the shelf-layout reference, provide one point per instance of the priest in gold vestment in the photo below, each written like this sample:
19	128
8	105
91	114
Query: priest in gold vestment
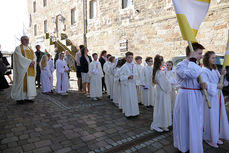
24	72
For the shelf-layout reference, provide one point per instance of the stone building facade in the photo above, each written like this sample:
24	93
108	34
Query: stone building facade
145	27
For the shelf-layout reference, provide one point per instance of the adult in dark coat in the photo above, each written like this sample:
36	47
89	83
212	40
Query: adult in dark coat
56	57
85	60
102	60
8	71
3	83
39	55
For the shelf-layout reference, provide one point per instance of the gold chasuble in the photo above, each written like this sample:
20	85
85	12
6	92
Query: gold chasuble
31	71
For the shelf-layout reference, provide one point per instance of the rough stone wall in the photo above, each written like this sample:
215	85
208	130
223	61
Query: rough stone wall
149	26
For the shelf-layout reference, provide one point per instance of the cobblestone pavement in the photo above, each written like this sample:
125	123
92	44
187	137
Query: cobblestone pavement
75	124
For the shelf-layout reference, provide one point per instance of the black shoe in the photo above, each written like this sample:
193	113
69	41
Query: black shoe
29	100
149	106
135	116
20	101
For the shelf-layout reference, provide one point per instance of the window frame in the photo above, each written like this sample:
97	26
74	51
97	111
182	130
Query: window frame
73	16
92	9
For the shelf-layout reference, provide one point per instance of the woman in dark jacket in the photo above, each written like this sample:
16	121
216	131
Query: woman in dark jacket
102	60
85	60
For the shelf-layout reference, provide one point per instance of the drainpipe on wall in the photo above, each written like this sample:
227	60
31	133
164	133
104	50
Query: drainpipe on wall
85	22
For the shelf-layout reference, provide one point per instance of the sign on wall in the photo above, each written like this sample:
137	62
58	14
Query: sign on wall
123	45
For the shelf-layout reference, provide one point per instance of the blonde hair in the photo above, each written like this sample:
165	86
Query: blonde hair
44	61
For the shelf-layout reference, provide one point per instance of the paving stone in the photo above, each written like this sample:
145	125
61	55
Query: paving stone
160	151
28	147
10	139
13	150
12	144
42	143
43	150
64	150
34	139
128	151
133	149
18	129
3	147
25	136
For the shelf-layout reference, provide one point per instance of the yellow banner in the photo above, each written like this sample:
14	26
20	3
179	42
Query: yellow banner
187	32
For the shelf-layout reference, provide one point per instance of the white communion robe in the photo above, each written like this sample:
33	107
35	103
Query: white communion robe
171	76
129	92
95	75
138	69
62	84
51	68
45	79
112	67
162	115
148	89
116	87
106	69
188	109
23	87
117	83
215	119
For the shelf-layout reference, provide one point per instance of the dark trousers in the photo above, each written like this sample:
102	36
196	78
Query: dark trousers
104	88
38	82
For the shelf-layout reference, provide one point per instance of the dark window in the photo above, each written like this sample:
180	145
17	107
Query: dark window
35	30
45	26
34	6
125	3
44	3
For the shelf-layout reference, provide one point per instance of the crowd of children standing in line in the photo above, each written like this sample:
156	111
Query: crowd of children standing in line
129	84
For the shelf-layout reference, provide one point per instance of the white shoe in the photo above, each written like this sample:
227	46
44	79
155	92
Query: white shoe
166	129
64	94
94	99
157	129
219	142
212	144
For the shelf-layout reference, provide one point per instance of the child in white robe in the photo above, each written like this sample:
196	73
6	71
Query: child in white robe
95	75
106	69
116	84
188	109
45	75
138	69
51	68
216	124
171	76
148	88
128	87
111	75
162	116
62	70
